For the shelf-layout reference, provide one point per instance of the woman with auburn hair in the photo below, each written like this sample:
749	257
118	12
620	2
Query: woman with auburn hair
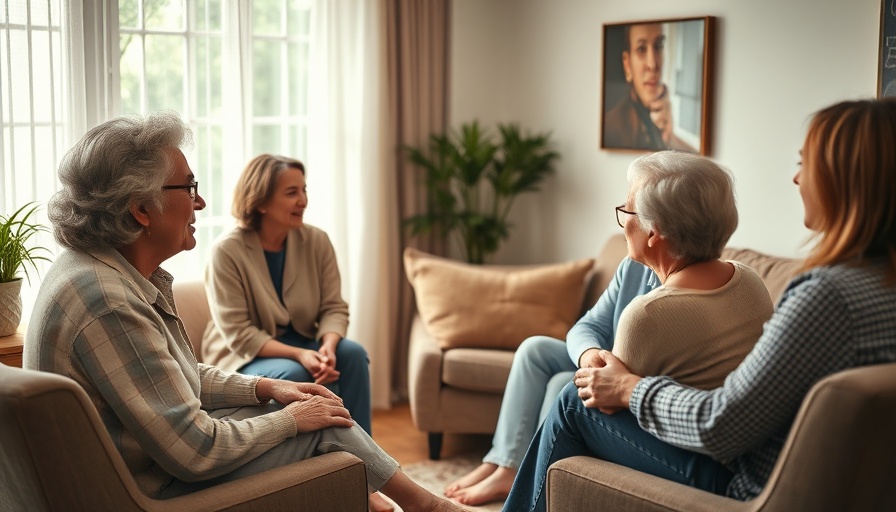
839	314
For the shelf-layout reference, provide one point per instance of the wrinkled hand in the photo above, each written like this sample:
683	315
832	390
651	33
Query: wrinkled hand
591	358
661	114
319	412
285	392
318	365
607	385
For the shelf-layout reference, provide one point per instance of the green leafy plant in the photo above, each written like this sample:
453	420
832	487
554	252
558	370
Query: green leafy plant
15	233
472	181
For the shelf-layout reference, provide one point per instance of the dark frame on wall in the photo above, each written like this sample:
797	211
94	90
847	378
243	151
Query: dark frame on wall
886	73
657	85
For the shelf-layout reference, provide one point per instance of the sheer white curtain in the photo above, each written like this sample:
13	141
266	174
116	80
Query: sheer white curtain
349	156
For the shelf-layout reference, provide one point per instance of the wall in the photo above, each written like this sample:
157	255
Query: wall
538	62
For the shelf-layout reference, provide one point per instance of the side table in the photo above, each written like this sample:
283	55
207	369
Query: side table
11	348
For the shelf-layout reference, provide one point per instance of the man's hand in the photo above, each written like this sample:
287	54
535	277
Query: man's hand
607	385
661	114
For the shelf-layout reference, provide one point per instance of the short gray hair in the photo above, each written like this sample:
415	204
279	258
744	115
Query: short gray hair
119	162
690	199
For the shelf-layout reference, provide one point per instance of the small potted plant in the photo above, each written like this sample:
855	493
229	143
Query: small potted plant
17	255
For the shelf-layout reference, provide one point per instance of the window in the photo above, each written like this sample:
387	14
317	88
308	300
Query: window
235	70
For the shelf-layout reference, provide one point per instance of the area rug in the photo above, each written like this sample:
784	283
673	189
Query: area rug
435	475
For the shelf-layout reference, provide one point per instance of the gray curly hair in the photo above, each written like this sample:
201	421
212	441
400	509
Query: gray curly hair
119	162
689	198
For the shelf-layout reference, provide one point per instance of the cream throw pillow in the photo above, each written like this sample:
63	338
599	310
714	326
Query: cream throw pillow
485	306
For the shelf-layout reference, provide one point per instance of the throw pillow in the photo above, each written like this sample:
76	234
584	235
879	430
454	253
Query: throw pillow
490	306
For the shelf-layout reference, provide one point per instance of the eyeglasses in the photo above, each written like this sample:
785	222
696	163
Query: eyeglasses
620	209
193	188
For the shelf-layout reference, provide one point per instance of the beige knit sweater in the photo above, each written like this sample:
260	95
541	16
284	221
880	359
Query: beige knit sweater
696	337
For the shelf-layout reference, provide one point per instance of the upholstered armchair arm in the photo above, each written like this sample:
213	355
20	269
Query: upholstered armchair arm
583	483
424	376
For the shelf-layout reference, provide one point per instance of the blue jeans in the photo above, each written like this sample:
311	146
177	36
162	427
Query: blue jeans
353	385
540	369
573	429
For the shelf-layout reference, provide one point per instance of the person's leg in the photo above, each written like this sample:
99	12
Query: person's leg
354	381
536	362
552	391
573	429
383	472
277	368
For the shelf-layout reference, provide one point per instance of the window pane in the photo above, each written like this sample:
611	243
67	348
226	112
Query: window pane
19	89
266	78
206	15
165	73
266	16
39	14
206	73
44	77
298	139
163	14
131	68
298	78
128	14
298	17
266	139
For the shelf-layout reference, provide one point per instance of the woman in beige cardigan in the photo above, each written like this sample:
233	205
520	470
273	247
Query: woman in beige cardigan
274	290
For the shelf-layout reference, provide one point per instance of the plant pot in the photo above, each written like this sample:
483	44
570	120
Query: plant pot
10	307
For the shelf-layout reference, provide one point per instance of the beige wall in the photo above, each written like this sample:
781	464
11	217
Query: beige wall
538	62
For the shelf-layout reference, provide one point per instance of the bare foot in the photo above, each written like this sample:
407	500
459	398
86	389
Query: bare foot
472	478
379	503
494	487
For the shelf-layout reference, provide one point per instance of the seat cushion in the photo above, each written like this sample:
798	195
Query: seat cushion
481	370
497	307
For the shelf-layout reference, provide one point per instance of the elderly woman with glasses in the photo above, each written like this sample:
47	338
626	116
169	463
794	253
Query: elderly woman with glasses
697	327
673	308
105	317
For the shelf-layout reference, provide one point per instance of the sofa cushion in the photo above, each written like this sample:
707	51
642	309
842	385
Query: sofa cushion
474	369
775	272
488	306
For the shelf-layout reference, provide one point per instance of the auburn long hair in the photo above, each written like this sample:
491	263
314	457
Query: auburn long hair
849	160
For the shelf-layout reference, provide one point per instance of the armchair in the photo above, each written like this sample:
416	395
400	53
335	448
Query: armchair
55	454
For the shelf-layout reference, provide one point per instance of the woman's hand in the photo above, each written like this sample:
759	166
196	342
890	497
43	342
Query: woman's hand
607	385
319	412
328	344
318	365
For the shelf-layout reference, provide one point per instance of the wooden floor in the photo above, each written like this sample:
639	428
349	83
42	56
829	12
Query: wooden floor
394	431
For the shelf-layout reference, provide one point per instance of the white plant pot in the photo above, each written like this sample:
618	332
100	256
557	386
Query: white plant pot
10	307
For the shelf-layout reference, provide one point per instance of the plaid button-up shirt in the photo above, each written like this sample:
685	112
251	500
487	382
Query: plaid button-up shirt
829	319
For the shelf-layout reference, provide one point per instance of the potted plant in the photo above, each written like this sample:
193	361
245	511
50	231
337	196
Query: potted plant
472	181
16	255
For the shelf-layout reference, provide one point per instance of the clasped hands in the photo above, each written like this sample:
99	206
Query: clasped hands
321	364
604	381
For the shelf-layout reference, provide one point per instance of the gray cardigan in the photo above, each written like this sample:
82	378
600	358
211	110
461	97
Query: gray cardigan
246	312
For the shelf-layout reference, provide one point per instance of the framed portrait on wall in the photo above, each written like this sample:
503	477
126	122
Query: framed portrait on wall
886	82
657	85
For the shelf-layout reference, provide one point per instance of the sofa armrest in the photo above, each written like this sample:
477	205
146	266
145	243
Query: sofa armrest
424	376
334	482
581	483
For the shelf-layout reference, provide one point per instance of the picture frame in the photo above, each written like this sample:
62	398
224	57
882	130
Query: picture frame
886	74
659	94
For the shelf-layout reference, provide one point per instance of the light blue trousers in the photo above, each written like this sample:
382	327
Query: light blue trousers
541	367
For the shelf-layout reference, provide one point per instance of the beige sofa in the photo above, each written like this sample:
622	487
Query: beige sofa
460	390
55	453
